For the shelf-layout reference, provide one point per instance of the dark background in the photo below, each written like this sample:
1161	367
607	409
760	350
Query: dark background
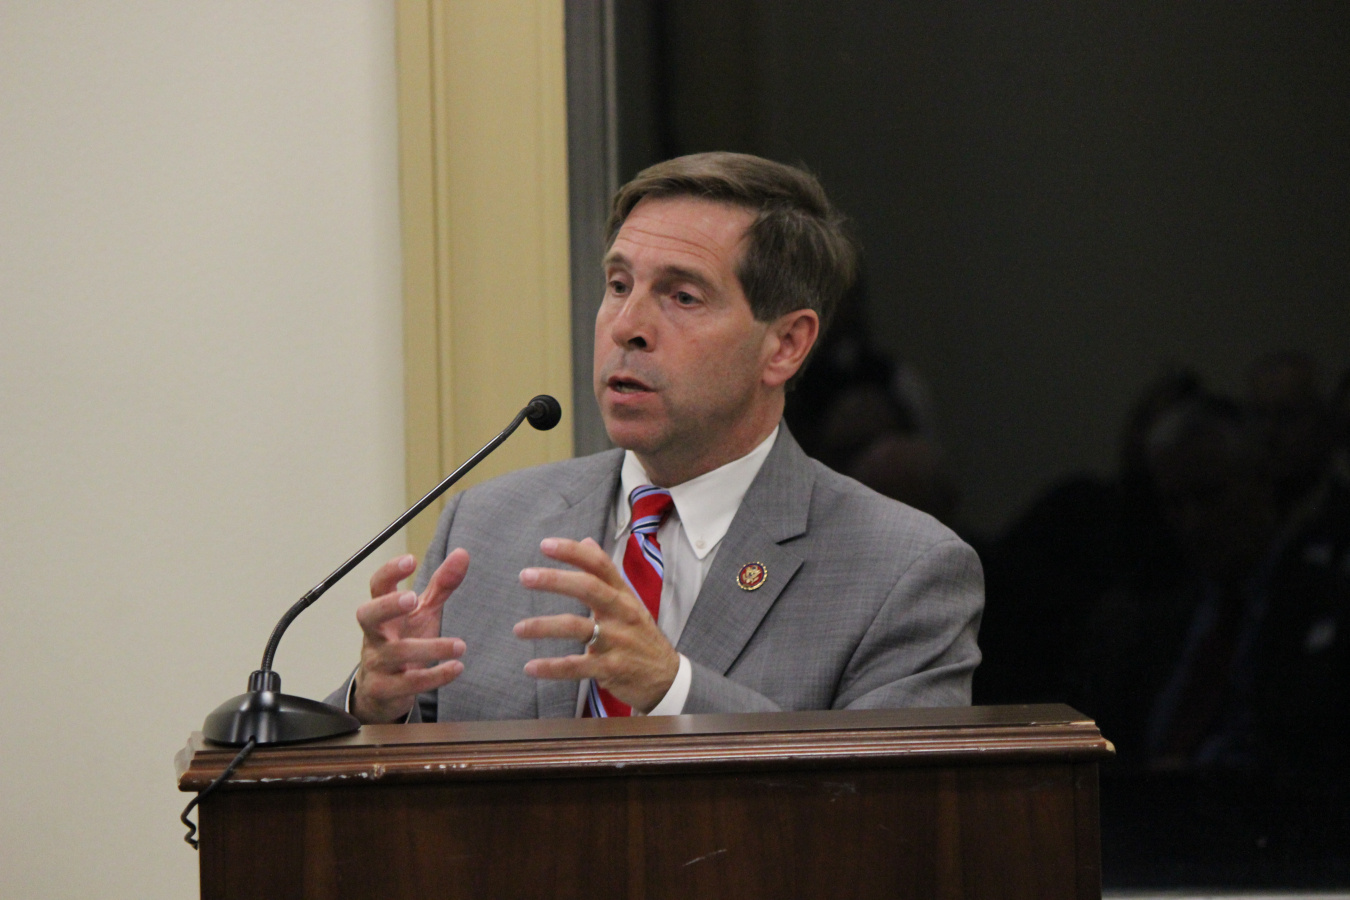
1057	201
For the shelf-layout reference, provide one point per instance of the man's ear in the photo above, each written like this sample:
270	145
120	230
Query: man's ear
790	339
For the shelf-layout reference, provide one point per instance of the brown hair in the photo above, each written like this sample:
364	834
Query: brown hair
799	253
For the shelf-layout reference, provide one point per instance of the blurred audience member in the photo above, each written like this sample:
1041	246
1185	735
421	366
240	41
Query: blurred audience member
908	468
1079	606
1263	676
863	414
1340	412
1287	398
1198	607
1218	497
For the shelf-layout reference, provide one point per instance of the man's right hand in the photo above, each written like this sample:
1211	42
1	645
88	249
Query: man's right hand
401	640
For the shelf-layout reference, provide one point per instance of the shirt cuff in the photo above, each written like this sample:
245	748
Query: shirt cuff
672	704
351	694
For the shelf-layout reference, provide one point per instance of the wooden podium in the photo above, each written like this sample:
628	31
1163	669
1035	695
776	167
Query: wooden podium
917	803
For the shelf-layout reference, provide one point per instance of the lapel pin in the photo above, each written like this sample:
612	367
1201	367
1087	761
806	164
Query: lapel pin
752	576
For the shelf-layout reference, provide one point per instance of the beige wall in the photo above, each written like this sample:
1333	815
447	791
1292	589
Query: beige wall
483	134
200	394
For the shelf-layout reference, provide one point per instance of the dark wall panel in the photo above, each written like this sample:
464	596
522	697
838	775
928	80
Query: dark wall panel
1056	199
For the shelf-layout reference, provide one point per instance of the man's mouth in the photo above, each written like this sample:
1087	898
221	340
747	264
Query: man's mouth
623	385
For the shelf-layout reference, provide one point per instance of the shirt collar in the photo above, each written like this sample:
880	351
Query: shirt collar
706	504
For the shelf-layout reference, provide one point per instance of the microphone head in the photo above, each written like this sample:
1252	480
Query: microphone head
544	412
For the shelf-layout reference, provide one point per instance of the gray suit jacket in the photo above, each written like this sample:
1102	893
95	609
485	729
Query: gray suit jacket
868	603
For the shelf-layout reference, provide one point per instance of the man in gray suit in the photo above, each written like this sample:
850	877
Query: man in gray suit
779	584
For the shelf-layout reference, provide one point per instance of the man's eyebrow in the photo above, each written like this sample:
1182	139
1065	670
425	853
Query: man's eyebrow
665	273
615	258
680	273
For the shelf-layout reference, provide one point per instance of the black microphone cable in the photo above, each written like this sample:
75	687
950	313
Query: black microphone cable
239	757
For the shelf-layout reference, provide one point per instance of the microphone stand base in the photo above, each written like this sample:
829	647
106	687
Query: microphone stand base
272	717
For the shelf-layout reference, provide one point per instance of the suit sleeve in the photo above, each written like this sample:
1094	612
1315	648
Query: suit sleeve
919	649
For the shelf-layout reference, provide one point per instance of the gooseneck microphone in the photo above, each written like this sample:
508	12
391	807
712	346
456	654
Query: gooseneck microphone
264	715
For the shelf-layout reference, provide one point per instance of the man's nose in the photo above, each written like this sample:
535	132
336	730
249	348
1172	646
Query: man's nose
634	325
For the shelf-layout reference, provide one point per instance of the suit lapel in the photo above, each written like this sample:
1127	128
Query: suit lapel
774	510
584	512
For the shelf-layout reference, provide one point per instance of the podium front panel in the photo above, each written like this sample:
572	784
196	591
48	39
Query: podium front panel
981	802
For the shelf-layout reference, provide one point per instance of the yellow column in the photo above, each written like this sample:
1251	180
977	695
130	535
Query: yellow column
483	162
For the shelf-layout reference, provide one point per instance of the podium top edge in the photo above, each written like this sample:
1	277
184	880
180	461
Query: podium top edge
578	747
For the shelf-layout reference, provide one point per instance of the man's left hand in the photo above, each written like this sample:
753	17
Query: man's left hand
632	658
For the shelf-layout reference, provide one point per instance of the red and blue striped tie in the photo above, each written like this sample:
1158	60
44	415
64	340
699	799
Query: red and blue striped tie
644	571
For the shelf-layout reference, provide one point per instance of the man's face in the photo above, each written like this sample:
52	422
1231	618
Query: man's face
680	360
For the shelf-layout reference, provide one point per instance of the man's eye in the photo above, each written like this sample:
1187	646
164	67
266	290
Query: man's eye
618	287
685	299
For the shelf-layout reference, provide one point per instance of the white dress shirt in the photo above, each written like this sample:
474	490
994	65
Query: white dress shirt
689	538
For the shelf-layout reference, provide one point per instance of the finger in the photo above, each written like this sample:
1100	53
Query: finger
566	626
448	576
382	687
566	668
428	679
376	612
386	577
587	555
399	656
604	599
